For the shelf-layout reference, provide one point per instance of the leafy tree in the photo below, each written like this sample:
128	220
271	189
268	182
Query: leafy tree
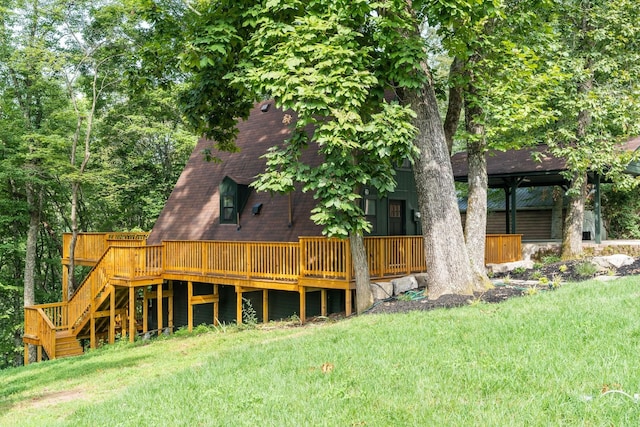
140	149
599	51
388	32
500	77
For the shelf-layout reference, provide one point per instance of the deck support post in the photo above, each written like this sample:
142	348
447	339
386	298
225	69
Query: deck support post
303	304
170	307
112	315
323	302
216	306
347	301
265	306
39	353
26	354
145	312
92	332
159	297
65	283
132	314
190	305
238	305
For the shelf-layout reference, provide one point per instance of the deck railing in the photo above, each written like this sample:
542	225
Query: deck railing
91	246
325	258
395	255
257	260
503	248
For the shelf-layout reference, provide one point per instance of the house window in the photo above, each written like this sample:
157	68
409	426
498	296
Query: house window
228	209
233	198
370	214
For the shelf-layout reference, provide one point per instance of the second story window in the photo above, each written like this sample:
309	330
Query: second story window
228	209
233	196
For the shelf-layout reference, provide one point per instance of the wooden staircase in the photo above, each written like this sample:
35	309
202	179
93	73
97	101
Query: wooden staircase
90	312
67	345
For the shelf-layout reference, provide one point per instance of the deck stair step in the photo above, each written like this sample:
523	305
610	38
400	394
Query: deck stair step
67	345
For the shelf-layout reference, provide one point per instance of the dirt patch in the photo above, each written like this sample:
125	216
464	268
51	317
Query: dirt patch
56	397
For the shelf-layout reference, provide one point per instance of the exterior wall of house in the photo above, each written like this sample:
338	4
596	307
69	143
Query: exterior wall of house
532	224
404	196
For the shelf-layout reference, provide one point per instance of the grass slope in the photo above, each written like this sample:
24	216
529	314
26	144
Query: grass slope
539	360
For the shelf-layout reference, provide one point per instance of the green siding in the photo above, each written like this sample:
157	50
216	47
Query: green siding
282	305
405	190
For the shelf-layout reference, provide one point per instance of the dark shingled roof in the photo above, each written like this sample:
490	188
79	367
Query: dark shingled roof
503	166
193	209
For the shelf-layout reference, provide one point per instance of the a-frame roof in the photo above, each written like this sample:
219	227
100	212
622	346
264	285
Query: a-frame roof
192	212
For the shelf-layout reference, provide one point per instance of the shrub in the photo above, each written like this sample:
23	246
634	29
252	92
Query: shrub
586	269
550	259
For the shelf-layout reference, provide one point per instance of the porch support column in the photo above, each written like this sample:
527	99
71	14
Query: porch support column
507	209
132	314
347	301
26	354
190	305
514	208
303	304
216	304
597	208
112	315
159	297
265	306
39	353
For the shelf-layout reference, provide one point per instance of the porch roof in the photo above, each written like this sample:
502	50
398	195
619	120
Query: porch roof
531	167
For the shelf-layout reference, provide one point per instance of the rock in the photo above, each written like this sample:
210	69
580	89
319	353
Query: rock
422	279
509	266
606	278
404	284
615	261
381	290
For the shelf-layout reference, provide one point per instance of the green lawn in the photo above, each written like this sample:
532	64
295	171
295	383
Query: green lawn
538	360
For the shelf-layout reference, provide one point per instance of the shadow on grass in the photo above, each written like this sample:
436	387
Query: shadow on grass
50	372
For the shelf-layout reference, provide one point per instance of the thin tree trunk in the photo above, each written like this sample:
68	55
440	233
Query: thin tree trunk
476	219
364	296
572	236
30	259
454	107
448	266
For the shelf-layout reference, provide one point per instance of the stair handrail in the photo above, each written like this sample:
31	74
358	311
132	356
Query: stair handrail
80	301
45	330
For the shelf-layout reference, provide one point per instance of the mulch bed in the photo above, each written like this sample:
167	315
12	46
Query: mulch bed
569	271
495	295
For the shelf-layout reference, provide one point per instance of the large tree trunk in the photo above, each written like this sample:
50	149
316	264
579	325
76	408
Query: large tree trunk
448	266
475	231
30	259
572	236
364	296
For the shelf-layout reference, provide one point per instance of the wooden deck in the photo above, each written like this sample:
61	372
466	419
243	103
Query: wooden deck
126	270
